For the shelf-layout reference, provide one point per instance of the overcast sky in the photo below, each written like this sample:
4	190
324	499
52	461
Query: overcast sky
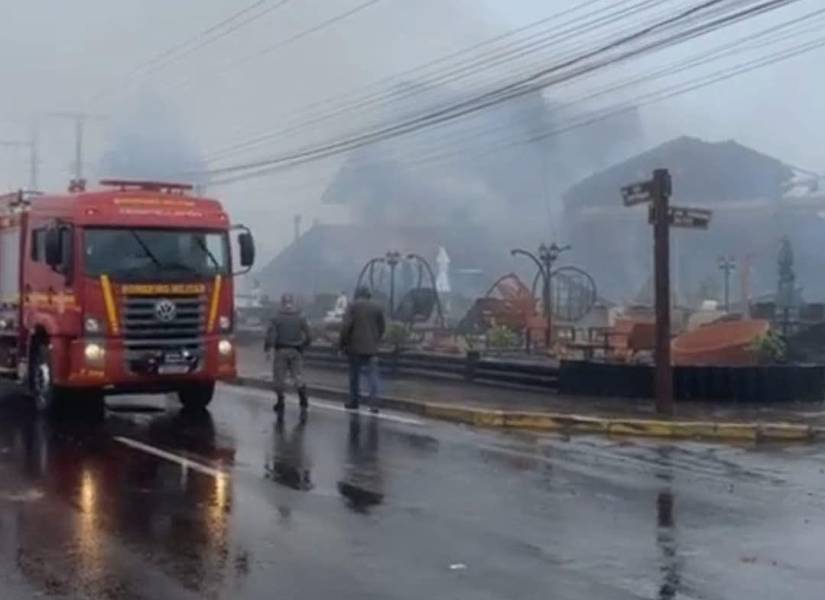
82	55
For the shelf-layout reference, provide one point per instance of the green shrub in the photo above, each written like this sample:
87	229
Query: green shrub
770	348
501	337
397	335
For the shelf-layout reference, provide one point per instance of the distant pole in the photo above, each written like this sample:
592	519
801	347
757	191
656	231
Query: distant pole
78	147
392	258
79	119
34	155
661	248
727	265
296	223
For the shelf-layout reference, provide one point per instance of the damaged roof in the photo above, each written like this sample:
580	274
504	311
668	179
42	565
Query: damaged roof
703	172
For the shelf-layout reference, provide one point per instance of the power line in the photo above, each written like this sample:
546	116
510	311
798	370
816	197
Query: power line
609	112
452	73
788	29
282	43
210	35
552	35
538	40
518	88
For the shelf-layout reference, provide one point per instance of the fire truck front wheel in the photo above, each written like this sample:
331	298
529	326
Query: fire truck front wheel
196	396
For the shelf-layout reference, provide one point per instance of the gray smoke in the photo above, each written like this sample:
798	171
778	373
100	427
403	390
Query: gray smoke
149	143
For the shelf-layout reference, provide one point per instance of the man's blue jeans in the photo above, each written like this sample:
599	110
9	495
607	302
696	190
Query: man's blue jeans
357	362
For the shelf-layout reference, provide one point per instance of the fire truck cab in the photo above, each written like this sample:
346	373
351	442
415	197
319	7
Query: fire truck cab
127	289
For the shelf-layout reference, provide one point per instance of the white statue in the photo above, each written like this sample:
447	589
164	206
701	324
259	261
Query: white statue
442	279
336	315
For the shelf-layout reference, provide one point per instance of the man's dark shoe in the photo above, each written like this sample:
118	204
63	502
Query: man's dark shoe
374	410
351	405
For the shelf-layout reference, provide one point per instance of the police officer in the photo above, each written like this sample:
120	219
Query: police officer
288	334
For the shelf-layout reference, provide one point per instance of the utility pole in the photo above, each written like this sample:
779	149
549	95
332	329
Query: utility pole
34	154
656	193
727	264
79	119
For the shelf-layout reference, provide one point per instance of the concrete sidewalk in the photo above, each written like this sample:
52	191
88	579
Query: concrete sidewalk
488	405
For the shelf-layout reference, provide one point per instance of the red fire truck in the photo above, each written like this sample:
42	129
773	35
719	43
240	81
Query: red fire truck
127	289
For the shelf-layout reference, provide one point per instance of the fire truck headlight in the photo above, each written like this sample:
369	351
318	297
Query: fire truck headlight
94	353
225	347
91	325
225	323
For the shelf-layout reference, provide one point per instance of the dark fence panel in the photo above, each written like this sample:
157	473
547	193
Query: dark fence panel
760	385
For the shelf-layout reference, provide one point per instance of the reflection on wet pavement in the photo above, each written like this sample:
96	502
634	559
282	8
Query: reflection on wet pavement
362	484
353	506
289	465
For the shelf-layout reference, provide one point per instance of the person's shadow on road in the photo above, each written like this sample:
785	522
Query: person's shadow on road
362	484
290	466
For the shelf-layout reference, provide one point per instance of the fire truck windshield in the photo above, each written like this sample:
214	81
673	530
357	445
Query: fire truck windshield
134	254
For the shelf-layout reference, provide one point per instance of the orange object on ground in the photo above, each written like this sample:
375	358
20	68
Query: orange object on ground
724	343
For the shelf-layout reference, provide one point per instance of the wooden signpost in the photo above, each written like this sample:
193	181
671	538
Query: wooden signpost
656	193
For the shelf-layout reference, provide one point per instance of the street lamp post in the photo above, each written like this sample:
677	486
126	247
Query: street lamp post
547	255
422	261
727	264
393	258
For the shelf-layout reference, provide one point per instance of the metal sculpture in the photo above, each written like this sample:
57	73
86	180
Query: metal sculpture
418	303
547	255
573	293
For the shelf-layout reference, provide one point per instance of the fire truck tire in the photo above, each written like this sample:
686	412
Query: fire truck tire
47	397
197	396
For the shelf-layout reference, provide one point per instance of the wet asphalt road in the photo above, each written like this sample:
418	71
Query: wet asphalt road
158	504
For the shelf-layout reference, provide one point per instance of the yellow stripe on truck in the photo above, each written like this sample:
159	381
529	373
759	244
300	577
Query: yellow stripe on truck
213	308
109	300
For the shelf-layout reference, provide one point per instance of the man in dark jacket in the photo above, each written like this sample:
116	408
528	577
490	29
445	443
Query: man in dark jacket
361	332
288	334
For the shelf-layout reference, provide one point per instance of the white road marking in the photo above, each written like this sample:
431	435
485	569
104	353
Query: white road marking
181	460
328	406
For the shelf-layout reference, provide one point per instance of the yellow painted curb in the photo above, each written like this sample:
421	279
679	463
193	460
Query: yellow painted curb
456	414
573	423
786	431
554	422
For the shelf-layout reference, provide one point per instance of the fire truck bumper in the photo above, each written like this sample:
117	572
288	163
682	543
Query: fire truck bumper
108	364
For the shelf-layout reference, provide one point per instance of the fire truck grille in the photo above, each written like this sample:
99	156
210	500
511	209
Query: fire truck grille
158	324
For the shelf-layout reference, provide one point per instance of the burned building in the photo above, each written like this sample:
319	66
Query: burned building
756	201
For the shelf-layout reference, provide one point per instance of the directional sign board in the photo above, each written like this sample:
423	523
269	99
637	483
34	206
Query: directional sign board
680	216
637	193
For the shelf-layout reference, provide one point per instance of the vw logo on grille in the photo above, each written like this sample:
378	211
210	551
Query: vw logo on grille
165	310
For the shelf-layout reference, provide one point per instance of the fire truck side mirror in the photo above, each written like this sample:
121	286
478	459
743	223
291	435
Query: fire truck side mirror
247	245
54	249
